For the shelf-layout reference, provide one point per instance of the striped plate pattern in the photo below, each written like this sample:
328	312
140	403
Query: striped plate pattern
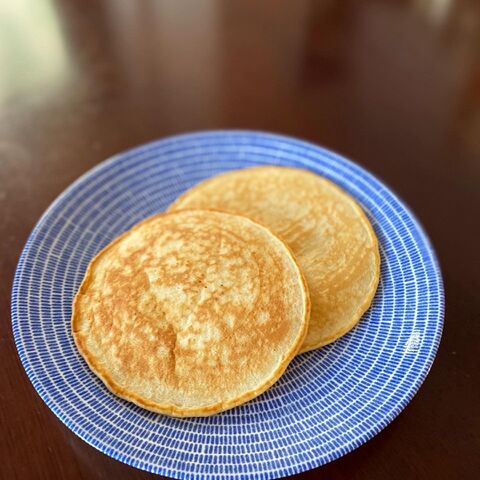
327	403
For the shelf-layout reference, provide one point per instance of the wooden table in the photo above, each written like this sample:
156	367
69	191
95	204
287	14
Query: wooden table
393	85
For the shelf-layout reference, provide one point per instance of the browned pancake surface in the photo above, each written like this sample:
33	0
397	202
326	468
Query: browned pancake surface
191	313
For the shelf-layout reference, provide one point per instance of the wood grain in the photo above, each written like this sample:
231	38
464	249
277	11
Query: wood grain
393	85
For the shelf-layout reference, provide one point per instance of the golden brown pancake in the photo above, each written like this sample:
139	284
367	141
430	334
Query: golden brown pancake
327	231
191	313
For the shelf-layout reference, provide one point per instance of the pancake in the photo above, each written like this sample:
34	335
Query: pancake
327	231
191	313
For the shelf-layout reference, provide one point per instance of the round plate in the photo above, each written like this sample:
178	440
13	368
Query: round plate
327	403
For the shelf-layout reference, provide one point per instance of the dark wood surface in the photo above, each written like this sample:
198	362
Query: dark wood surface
393	85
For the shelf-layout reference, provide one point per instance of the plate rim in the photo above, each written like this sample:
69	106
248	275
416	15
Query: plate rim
359	440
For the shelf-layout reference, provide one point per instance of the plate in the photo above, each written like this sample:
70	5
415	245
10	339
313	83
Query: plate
327	403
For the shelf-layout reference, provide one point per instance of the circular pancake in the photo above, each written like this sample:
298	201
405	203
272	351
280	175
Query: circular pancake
327	231
191	313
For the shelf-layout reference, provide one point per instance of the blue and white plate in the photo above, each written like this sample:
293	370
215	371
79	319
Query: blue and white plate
327	403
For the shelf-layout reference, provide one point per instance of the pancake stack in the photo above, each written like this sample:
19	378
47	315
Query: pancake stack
202	308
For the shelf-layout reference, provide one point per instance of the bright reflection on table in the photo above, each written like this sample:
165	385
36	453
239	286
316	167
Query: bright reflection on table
33	55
